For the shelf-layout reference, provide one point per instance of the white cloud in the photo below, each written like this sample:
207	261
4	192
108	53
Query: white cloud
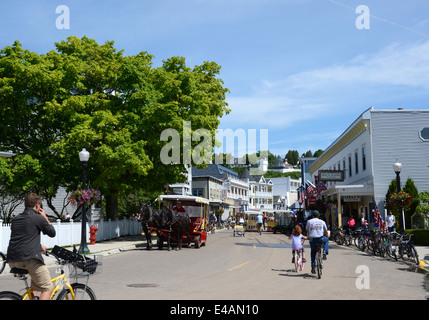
326	91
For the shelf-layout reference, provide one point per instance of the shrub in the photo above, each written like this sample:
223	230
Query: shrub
420	236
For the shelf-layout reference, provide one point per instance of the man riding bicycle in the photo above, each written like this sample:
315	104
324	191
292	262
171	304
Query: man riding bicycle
317	231
25	249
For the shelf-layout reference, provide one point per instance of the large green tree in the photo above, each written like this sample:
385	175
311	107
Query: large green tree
86	95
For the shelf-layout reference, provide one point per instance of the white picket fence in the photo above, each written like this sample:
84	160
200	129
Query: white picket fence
69	233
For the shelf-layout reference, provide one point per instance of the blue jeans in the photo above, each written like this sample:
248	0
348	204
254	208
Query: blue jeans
313	245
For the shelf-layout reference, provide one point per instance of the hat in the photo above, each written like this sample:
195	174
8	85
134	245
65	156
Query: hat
316	213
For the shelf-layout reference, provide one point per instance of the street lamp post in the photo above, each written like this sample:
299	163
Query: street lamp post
397	167
83	157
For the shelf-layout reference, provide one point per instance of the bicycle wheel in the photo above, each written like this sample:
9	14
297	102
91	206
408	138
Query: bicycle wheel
361	243
348	239
301	261
319	263
296	259
412	254
9	295
2	262
81	292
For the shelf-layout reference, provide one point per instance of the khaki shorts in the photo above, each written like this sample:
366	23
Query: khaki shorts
39	273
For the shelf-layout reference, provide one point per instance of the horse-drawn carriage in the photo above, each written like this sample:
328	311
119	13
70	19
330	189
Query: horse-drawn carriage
197	209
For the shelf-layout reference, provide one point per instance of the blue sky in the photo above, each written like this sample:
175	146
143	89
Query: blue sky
299	68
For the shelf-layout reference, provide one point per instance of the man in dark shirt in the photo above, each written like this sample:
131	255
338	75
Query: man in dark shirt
25	249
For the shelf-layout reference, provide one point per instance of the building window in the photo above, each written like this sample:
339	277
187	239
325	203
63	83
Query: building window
356	162
198	192
363	158
424	134
350	165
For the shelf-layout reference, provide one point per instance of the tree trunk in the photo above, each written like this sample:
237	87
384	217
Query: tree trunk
111	206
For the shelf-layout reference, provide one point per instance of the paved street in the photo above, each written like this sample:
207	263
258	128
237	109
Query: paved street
248	268
251	267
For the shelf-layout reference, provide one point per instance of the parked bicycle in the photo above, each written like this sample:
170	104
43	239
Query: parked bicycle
406	247
2	262
71	265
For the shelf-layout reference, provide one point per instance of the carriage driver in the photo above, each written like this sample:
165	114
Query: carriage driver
178	207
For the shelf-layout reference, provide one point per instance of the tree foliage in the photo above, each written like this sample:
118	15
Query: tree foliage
86	95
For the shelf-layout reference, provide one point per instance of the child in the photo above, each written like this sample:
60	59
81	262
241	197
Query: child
297	237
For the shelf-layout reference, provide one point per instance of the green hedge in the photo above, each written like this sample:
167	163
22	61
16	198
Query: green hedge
421	236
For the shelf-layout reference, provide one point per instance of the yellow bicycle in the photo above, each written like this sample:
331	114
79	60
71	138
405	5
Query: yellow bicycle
71	265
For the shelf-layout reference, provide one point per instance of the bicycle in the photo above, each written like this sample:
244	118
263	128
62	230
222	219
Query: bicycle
297	256
68	261
2	262
259	228
406	246
319	258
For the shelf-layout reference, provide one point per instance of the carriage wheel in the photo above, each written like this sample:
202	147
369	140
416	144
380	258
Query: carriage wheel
197	241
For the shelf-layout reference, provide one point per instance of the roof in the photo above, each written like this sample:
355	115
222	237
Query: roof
214	170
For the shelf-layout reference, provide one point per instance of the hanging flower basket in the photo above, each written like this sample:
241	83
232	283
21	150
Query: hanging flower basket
87	196
400	199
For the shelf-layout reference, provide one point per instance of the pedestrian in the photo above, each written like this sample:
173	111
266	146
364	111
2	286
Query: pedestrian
390	221
351	223
259	221
297	237
317	231
25	249
363	222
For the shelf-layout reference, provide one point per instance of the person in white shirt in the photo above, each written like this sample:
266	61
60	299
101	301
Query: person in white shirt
390	221
317	232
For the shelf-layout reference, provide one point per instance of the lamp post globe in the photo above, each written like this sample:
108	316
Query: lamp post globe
397	167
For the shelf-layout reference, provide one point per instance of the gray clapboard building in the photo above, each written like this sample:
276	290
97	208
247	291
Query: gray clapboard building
365	153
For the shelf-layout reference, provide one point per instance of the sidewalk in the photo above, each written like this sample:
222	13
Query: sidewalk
103	248
423	252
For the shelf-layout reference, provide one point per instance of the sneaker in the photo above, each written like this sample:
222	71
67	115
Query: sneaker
313	269
324	256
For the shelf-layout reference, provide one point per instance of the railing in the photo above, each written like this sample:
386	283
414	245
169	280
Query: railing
69	233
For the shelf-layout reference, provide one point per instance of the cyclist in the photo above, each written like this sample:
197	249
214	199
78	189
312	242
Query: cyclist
297	237
259	221
25	250
212	221
317	231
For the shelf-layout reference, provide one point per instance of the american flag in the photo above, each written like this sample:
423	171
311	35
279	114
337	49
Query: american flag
378	217
301	194
310	188
320	186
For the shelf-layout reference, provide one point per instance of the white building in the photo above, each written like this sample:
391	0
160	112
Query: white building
365	153
284	192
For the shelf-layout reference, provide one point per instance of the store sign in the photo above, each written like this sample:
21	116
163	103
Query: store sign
331	175
351	198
